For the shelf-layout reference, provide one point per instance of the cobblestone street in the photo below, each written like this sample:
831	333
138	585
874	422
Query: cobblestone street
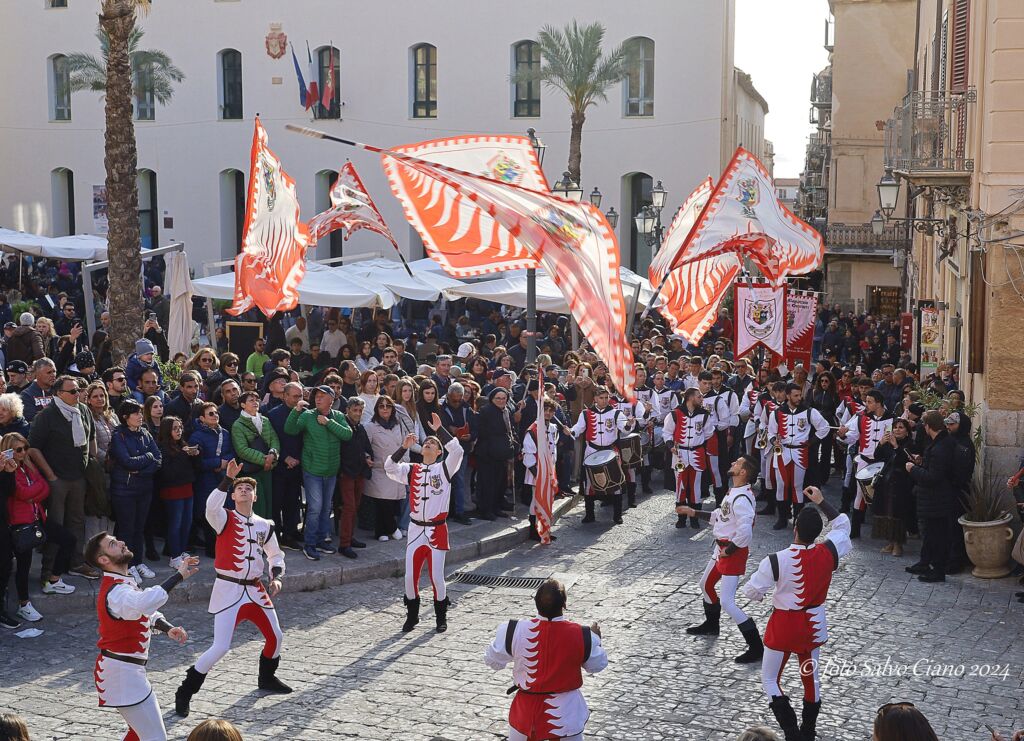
356	676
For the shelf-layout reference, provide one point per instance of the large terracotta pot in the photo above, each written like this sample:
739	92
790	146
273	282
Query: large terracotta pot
988	546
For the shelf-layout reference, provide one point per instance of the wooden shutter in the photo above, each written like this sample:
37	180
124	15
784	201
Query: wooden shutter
961	38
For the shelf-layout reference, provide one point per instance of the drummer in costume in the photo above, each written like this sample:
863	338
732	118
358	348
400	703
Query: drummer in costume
715	479
750	409
648	401
430	489
642	415
548	655
600	425
245	544
789	432
530	442
689	427
128	615
732	525
849	408
864	431
666	399
800	575
726	404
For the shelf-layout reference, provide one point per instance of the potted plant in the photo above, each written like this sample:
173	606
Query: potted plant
987	534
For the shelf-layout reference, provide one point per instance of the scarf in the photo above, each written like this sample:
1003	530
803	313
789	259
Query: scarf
257	421
73	415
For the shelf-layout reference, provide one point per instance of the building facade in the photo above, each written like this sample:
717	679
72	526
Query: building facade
405	72
955	145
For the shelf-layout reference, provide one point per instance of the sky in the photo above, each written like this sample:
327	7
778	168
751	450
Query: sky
780	43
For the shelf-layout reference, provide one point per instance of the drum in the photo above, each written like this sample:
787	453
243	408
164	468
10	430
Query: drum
631	450
604	471
867	479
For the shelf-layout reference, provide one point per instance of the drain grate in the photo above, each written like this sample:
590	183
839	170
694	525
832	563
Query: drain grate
485	580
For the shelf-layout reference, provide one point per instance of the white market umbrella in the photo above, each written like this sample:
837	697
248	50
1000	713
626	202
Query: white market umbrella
179	289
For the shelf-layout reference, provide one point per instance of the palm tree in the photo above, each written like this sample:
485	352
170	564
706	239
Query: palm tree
89	73
572	61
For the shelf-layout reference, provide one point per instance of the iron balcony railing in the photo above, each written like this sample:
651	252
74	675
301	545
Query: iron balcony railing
821	90
861	238
928	132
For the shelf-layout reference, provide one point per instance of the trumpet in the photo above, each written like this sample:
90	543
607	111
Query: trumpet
761	441
776	445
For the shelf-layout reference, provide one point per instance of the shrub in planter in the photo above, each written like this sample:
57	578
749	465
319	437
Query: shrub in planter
987	534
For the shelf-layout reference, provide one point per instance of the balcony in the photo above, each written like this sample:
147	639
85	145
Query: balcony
821	90
859	239
926	138
830	35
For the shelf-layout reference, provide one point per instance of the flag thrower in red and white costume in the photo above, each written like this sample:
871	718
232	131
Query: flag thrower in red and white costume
789	433
600	425
539	462
128	615
865	430
800	575
549	655
430	490
246	544
688	427
732	525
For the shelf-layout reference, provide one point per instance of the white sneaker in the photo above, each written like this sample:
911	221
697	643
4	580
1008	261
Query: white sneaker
397	535
28	612
134	574
57	587
383	538
144	571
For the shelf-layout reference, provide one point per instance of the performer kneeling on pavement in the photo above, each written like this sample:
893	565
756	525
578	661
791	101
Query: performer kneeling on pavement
128	615
600	424
430	490
689	426
789	428
530	449
801	575
732	525
244	542
547	654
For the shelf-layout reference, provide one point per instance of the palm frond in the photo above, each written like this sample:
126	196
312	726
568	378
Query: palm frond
90	73
86	72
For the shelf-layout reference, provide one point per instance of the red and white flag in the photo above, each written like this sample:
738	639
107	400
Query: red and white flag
545	481
272	261
351	209
760	318
481	205
801	311
329	81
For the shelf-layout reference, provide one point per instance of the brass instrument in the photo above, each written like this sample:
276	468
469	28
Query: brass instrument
761	441
776	445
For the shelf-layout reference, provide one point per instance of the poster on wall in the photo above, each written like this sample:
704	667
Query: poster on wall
760	312
99	209
801	308
931	340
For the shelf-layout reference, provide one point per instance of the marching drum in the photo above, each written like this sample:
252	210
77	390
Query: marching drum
867	479
604	471
631	450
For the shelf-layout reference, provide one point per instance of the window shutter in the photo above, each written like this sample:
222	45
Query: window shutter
961	37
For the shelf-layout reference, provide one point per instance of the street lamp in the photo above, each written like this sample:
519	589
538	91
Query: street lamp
645	222
888	193
877	223
658	194
888	196
531	273
595	197
613	217
537	144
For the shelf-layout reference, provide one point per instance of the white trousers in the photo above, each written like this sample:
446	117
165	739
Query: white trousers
514	735
416	555
224	623
145	721
771	673
729	583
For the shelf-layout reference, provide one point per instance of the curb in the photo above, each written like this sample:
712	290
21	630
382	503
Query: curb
334	575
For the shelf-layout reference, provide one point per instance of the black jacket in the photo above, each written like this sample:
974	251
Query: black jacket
935	478
354	452
494	440
176	468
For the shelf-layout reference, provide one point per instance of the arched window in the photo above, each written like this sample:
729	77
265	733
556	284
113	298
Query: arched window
424	81
232	212
60	89
62	192
333	244
230	72
638	186
145	102
148	226
638	86
526	58
330	82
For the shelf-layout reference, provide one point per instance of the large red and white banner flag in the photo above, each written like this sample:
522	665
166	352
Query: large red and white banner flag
760	318
801	309
545	482
351	209
481	205
272	261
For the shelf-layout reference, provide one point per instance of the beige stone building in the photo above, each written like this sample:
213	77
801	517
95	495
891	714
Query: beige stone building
955	144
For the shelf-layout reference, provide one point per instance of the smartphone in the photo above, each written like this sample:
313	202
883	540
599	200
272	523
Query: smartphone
562	375
585	372
8	454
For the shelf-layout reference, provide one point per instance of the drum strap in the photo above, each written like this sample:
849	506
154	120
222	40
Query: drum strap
588	641
773	558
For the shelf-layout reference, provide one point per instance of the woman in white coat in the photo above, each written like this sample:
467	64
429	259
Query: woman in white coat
386	436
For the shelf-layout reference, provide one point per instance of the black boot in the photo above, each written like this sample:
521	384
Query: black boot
857	521
645	480
786	717
441	614
810	719
680	521
709	627
797	509
755	649
190	685
719	496
588	504
695	523
533	534
782	521
268	676
412	607
769	503
617	508
631	493
847	500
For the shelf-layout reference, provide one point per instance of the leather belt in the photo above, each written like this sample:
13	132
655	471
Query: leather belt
243	582
795	447
802	609
683	447
431	523
126	659
516	688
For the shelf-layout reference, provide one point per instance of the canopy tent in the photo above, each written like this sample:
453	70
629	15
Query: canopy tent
422	285
77	247
321	286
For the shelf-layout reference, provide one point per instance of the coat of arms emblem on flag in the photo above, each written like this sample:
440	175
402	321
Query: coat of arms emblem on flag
760	318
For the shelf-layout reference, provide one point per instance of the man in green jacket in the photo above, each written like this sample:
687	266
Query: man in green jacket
323	429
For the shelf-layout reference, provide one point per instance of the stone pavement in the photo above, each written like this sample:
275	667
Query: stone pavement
953	649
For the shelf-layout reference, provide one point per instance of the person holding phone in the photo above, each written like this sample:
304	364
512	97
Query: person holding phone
175	481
